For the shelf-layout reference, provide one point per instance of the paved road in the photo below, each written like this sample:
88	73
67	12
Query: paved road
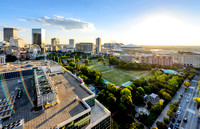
174	99
189	107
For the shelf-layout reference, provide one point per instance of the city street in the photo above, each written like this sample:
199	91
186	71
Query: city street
188	108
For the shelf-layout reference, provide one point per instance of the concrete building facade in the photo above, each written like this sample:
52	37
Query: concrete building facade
85	47
165	60
71	43
18	42
98	45
55	42
8	33
187	59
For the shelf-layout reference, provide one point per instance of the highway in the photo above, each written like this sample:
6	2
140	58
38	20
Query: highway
189	108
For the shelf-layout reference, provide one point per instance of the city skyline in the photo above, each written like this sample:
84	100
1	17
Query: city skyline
130	22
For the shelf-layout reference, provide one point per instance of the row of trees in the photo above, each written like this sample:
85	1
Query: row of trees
88	75
197	99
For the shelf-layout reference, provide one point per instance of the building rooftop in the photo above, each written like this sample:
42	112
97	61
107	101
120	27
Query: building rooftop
153	95
167	71
130	46
50	117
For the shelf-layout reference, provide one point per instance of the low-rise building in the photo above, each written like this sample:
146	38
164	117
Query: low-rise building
187	59
153	98
165	60
85	47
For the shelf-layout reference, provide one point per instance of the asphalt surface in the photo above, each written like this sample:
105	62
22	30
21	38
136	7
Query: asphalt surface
188	108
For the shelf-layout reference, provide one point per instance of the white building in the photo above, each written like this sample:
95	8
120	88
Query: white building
18	42
187	59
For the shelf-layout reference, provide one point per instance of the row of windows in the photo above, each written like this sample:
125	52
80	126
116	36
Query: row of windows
15	74
105	124
79	122
91	102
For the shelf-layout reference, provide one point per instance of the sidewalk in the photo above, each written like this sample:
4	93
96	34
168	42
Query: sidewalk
174	99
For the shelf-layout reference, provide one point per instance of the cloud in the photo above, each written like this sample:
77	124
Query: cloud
19	29
63	23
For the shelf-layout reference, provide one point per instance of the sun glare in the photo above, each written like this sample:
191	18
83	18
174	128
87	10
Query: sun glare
164	30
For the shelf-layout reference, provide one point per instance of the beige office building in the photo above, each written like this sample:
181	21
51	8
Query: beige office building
54	43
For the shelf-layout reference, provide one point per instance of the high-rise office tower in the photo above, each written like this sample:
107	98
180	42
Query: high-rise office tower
8	33
98	45
54	43
38	37
71	43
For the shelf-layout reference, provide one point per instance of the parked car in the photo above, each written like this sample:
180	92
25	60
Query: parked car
173	120
177	125
187	101
185	120
179	121
178	112
171	126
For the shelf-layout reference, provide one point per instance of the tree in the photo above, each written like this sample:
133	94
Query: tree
158	72
197	100
136	125
170	113
112	88
149	104
72	64
125	91
153	71
162	78
141	91
147	89
166	120
187	84
161	125
86	62
11	58
158	106
167	96
172	107
173	82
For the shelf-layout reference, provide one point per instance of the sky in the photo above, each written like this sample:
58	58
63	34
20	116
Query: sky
140	22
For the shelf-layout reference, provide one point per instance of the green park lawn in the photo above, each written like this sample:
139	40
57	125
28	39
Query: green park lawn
133	72
93	62
116	77
148	76
100	68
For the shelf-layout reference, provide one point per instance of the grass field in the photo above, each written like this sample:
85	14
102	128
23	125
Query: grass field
133	72
93	62
100	68
116	77
148	76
